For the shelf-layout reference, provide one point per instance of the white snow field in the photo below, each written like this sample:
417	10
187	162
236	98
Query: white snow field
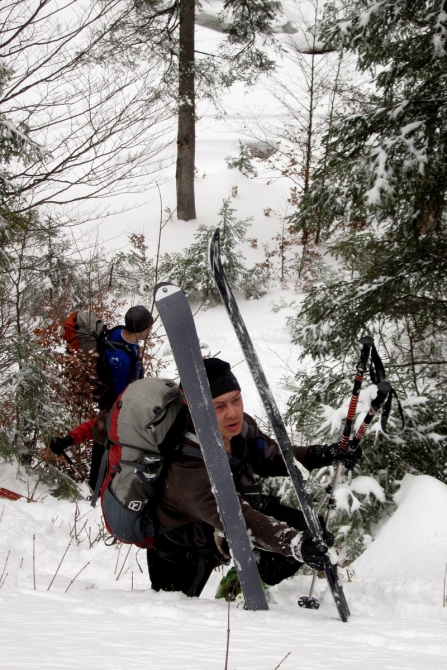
109	618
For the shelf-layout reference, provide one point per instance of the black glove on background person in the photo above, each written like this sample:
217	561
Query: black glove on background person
321	455
59	444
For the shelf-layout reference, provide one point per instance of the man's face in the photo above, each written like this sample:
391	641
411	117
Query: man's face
230	413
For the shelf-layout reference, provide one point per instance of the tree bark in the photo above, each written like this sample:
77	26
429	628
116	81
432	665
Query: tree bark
186	135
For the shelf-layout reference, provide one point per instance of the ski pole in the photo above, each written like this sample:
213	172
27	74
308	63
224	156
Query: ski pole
71	463
383	391
367	342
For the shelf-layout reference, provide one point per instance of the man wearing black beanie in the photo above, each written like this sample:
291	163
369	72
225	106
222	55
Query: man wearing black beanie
191	530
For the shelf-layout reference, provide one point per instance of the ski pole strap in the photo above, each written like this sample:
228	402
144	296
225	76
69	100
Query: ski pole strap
376	370
387	409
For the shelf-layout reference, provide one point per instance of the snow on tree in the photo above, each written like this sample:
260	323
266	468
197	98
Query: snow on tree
383	189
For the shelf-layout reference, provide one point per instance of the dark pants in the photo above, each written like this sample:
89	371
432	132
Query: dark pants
179	563
186	567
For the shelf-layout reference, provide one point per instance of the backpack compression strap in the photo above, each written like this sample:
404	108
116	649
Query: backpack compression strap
101	473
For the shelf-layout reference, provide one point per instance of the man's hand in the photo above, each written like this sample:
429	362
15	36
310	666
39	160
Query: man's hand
59	444
321	455
305	550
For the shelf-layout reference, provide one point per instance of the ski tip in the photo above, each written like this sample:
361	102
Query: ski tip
164	290
215	241
214	248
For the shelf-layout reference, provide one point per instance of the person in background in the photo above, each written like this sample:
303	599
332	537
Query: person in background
118	364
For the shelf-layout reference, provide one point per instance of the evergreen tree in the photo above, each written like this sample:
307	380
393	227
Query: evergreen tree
189	269
383	187
387	162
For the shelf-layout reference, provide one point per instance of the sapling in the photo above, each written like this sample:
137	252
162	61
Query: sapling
77	575
124	562
60	563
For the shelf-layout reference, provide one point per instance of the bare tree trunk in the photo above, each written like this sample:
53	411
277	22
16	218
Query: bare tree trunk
186	135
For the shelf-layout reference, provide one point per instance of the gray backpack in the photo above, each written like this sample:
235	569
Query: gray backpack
144	426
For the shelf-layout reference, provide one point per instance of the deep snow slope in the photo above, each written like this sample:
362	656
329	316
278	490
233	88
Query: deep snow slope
108	617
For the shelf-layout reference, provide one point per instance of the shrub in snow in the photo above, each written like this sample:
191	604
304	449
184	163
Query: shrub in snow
189	269
243	162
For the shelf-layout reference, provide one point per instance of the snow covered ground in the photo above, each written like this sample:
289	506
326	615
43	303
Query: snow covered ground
108	617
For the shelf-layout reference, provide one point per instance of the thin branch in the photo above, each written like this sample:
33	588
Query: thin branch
4	567
124	562
77	575
281	662
60	563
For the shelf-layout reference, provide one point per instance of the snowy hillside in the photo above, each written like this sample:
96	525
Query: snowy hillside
68	601
108	617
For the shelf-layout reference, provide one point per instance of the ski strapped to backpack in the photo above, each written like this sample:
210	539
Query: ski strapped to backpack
146	423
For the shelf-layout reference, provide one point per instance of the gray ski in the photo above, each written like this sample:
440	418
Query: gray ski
274	417
179	324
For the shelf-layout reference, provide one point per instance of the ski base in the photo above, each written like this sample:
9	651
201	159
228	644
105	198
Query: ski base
178	321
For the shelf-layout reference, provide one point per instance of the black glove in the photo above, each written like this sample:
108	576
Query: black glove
351	458
321	455
59	444
305	550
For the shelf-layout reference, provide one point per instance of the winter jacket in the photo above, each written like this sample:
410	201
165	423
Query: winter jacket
123	368
83	432
94	429
187	496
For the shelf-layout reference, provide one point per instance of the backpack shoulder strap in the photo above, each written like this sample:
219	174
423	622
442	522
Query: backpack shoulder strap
105	344
101	473
188	451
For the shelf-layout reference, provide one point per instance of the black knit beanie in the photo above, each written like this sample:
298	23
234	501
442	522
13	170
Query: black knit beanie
137	319
220	377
